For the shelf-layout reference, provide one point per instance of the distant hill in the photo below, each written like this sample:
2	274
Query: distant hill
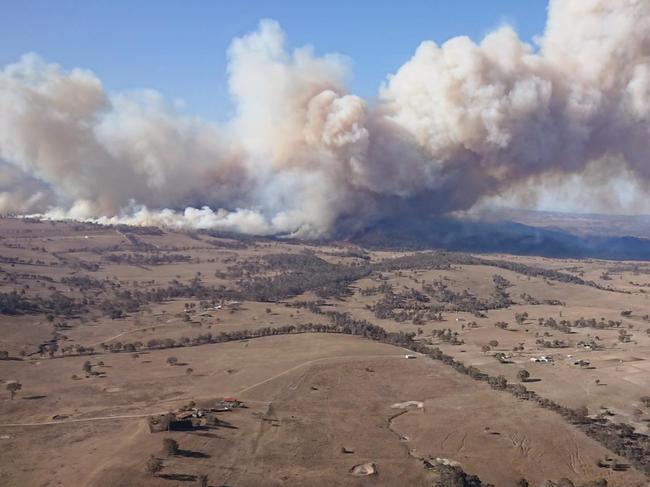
579	223
499	236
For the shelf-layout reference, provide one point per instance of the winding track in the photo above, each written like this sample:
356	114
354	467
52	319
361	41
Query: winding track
241	391
135	330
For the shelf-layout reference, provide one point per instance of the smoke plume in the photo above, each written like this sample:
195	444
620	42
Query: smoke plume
457	124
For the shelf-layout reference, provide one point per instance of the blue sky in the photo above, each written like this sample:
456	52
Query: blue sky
179	47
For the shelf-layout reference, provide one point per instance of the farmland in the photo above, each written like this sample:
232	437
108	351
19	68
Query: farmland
105	327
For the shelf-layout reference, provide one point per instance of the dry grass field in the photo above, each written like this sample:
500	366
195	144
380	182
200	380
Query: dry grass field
105	327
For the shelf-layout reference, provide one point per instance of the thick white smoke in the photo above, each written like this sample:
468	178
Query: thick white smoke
458	123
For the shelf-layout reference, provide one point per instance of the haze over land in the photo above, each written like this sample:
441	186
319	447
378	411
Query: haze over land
458	124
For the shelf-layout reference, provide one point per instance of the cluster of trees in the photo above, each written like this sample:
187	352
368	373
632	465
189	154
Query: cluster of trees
624	336
74	262
131	347
298	273
313	306
59	304
241	269
467	301
340	323
532	271
423	260
85	283
633	268
520	318
17	260
500	282
568	483
75	349
294	262
383	288
529	299
228	244
14	276
357	253
444	260
500	296
639	284
15	303
137	230
129	301
454	301
408	305
138	243
153	258
447	336
565	325
51	348
552	343
308	273
594	323
77	264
